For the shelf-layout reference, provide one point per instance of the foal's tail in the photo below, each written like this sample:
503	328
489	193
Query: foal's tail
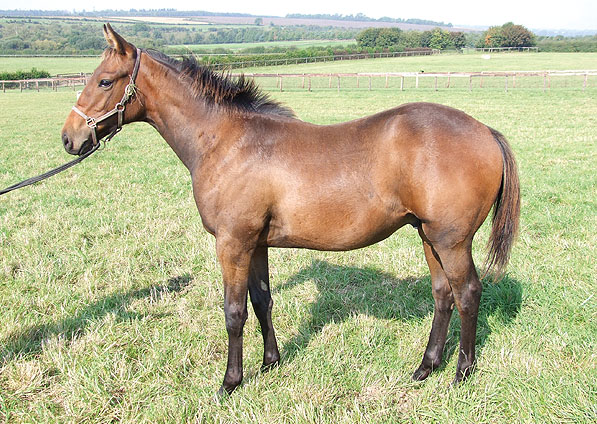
506	210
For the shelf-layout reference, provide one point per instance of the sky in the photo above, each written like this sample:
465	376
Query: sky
534	14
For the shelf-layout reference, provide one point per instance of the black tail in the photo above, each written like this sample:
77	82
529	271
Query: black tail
506	211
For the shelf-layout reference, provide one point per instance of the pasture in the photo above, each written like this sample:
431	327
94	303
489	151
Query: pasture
111	299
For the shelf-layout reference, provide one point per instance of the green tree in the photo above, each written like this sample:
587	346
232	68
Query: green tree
368	38
388	37
493	37
440	39
517	36
458	39
508	35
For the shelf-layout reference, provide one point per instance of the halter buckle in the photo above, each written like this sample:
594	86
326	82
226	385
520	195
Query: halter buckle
91	122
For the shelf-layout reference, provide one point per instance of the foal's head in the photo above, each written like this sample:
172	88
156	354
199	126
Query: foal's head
102	94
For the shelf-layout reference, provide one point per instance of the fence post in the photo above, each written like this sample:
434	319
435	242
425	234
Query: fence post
402	83
309	82
435	83
417	82
21	86
470	83
544	81
387	77
338	83
280	83
303	81
448	84
330	83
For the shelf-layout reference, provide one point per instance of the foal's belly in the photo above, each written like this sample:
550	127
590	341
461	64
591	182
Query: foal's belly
333	225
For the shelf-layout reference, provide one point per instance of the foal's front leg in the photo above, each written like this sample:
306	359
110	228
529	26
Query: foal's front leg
261	299
235	261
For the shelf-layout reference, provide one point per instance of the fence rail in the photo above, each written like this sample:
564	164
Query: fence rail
315	59
510	79
500	49
53	83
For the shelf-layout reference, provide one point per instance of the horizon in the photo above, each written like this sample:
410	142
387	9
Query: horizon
579	15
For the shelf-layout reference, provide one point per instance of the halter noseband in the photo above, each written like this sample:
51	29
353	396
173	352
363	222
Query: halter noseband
129	91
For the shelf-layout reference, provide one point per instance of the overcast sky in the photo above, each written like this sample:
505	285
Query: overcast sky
537	14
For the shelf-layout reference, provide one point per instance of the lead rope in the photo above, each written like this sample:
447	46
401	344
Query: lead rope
48	174
129	91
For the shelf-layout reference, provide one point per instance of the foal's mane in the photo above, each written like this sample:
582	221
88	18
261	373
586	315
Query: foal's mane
237	93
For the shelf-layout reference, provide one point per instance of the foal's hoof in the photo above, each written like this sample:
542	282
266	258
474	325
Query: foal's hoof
269	367
221	395
421	373
461	376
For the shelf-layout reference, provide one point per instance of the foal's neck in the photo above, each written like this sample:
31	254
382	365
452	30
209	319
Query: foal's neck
187	124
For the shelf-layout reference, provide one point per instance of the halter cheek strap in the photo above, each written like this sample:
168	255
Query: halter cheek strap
129	91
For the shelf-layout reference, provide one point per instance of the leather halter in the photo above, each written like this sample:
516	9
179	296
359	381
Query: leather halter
129	92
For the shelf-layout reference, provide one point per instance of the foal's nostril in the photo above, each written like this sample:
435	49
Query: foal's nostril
65	140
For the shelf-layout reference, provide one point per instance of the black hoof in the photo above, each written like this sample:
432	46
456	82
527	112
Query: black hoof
270	366
421	373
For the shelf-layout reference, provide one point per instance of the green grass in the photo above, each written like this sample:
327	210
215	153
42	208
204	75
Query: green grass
439	63
111	299
54	65
450	62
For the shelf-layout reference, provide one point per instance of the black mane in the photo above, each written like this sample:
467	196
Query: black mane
221	89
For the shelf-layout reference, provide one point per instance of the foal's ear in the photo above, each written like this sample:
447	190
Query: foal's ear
116	41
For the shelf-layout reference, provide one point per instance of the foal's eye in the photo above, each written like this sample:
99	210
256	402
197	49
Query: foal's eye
105	83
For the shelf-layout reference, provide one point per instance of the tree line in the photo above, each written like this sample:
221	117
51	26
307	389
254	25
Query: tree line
394	39
28	36
31	36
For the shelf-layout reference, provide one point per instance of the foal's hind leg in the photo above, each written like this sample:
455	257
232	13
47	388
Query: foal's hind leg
262	304
457	263
444	304
235	260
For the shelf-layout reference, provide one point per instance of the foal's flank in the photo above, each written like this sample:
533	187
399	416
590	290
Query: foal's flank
263	178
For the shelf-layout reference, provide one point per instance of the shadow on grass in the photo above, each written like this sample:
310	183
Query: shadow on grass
345	291
30	340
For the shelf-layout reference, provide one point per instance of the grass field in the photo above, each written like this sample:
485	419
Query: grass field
450	62
111	299
439	63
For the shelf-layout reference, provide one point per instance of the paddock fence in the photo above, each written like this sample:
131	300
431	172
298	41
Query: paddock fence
542	80
510	80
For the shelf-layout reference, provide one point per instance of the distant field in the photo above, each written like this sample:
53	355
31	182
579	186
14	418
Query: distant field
439	63
239	20
449	62
267	44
